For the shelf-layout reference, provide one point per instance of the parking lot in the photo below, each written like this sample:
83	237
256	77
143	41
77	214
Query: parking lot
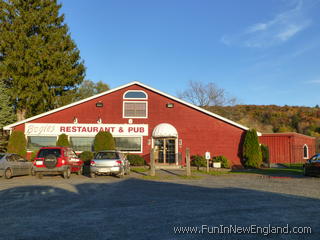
137	207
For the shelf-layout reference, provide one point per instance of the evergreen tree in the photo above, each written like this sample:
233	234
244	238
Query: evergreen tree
63	141
251	150
104	141
17	143
6	115
38	59
6	111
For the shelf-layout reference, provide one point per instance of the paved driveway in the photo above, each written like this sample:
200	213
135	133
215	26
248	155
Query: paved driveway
137	208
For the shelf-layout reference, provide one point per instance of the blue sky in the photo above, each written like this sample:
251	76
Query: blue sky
262	52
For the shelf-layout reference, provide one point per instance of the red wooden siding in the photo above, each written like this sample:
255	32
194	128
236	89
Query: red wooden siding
198	131
287	147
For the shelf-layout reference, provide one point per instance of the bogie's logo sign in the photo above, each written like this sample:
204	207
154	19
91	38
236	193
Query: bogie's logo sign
51	129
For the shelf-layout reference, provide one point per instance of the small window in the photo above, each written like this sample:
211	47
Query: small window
135	109
135	95
82	143
128	144
305	151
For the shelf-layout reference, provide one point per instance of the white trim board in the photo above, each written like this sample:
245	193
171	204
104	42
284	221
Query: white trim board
9	127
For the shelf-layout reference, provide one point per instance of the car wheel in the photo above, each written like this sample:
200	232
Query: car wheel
8	174
92	175
67	173
80	171
39	175
120	175
32	173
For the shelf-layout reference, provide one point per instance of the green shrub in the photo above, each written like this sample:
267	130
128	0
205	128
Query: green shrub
136	160
33	155
17	143
265	153
223	160
252	155
198	161
104	141
86	157
63	141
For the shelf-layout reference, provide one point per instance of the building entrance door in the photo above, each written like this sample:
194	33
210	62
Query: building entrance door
165	150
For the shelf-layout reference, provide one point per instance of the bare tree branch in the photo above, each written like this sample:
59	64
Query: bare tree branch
206	95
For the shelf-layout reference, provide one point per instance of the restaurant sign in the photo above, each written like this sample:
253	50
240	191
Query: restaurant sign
55	129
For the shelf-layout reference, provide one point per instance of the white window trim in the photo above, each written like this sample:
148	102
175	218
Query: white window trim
123	116
305	145
141	139
135	98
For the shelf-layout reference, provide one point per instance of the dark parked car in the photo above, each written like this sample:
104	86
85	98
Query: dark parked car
57	160
12	164
312	166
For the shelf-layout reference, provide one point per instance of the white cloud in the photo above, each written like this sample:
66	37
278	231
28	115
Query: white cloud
289	32
277	30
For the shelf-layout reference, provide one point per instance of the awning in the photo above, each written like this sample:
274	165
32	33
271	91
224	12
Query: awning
164	130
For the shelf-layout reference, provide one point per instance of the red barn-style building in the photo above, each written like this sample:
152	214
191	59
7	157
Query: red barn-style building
140	118
288	147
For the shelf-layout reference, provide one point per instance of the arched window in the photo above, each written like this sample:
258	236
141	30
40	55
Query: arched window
305	151
137	108
135	94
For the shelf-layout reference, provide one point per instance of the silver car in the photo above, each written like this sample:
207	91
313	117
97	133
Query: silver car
109	163
12	164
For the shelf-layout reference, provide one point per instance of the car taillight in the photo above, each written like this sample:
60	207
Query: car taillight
63	161
119	162
92	163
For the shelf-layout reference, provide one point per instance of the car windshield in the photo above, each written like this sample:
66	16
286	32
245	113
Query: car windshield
107	155
45	152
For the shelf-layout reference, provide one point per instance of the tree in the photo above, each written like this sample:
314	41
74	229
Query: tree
38	59
17	143
89	88
6	111
252	155
205	95
63	141
7	115
265	154
86	89
104	141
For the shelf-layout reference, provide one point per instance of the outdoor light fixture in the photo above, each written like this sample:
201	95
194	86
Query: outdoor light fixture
99	104
99	121
75	120
170	105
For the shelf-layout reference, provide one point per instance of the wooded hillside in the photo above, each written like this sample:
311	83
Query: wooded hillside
272	118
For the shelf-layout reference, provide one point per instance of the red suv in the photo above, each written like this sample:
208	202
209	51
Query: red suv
57	160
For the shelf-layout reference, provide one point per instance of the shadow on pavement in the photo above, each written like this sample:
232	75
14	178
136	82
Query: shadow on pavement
139	209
